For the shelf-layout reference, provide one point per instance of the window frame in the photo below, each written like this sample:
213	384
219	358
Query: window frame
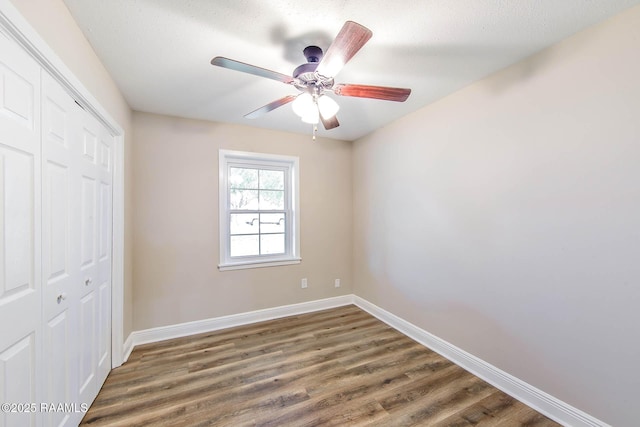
246	159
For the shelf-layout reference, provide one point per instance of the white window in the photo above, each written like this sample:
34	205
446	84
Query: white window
259	206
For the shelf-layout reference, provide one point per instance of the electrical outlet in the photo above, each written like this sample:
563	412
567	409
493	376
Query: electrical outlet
303	283
337	283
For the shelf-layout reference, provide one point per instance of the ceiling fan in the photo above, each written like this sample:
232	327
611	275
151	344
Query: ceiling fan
315	78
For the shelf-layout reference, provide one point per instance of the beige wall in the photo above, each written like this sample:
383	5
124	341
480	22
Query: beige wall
176	247
53	22
505	219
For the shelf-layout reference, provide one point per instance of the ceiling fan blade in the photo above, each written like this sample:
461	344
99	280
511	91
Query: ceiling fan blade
376	92
250	69
330	123
348	42
270	107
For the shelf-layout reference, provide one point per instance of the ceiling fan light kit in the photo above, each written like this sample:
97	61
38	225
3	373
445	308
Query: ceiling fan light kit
327	106
316	77
312	116
303	104
310	107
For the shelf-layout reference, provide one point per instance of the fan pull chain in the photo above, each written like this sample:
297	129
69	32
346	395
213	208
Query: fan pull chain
315	129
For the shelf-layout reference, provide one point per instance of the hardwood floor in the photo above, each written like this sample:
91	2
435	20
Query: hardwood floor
334	367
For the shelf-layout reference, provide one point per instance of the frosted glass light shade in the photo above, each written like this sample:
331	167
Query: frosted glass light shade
311	116
303	104
327	106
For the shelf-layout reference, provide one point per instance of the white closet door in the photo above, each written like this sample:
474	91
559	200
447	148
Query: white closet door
20	272
55	245
60	253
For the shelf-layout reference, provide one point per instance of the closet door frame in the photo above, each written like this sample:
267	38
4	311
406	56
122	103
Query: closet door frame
16	27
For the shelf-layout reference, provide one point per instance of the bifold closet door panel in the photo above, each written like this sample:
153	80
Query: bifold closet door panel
20	233
95	256
60	248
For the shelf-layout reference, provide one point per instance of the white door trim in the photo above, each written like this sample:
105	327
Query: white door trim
16	27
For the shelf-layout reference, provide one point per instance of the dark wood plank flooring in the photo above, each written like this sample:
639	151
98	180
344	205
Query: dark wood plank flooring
338	367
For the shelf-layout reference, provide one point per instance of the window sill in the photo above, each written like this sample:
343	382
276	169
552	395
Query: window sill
257	264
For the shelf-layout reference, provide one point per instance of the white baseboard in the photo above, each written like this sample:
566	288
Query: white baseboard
542	402
207	325
127	348
537	399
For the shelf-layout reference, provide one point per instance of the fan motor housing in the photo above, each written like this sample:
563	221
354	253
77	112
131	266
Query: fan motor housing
306	73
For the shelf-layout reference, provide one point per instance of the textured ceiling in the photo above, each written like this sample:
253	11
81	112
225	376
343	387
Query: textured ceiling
159	51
